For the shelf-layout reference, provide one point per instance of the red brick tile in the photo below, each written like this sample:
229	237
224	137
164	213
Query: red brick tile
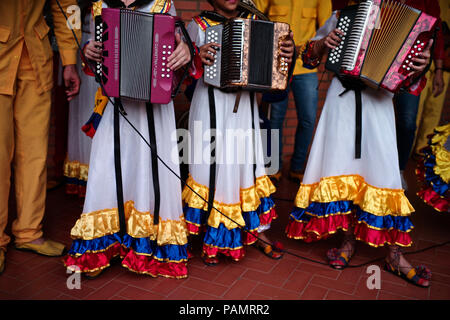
240	290
319	270
439	291
205	286
9	285
138	280
285	267
107	291
338	295
345	287
262	266
167	286
267	278
203	296
298	281
254	296
208	274
182	293
47	294
407	290
229	275
362	292
140	294
385	295
275	293
313	292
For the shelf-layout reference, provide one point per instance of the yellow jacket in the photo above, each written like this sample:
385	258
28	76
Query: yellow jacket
304	17
445	10
22	21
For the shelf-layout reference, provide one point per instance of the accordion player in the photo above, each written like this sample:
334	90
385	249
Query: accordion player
380	39
136	46
249	57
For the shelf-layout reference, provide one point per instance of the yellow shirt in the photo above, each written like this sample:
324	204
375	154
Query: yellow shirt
22	22
304	17
445	10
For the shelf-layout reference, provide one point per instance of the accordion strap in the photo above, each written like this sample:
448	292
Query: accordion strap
118	168
155	171
212	167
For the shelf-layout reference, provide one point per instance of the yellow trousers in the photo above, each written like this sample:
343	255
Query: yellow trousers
430	111
24	128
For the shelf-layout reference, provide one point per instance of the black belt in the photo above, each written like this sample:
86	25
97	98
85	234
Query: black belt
212	167
357	88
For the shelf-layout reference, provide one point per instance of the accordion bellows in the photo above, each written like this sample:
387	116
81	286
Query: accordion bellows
249	56
136	46
381	38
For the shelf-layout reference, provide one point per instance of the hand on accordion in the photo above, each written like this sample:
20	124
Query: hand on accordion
420	62
207	53
181	56
287	48
93	51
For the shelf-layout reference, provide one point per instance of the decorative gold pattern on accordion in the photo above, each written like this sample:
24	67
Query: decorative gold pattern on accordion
279	77
245	55
280	70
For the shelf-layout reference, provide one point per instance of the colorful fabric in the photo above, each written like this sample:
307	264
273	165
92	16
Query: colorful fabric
145	248
433	171
380	216
90	127
224	232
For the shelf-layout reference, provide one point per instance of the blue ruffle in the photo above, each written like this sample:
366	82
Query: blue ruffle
194	216
322	210
75	181
403	224
223	238
438	185
139	245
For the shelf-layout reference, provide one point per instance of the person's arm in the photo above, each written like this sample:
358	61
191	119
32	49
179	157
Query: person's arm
66	44
181	55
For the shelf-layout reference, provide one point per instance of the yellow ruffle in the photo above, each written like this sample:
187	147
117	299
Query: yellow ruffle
377	201
442	167
249	201
101	223
75	169
161	6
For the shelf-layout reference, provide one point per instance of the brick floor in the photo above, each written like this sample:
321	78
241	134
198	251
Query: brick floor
29	276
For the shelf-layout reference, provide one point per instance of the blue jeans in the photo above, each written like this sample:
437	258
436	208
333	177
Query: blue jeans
306	96
407	106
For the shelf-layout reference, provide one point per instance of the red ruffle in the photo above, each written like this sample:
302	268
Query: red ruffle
318	228
137	263
76	189
91	261
379	238
432	198
148	265
249	238
236	254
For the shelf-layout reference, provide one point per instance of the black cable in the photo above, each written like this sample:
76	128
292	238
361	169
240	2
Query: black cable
206	201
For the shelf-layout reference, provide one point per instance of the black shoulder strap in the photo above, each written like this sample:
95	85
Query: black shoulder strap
214	16
212	167
155	171
118	168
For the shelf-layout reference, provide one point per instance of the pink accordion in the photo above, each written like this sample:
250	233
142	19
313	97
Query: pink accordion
381	38
136	46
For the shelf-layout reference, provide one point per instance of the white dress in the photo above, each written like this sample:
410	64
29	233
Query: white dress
145	248
339	191
241	193
76	165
